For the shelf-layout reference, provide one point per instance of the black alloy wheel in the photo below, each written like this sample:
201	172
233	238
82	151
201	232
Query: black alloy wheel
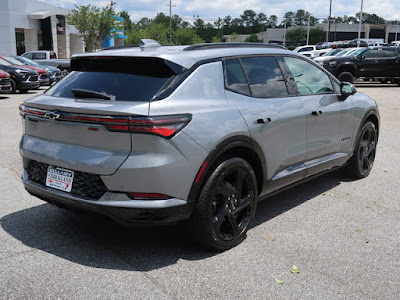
363	158
367	149
227	205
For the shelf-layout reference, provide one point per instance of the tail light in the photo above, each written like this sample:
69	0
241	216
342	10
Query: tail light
164	126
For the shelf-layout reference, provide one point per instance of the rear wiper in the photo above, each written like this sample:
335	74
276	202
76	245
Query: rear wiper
91	94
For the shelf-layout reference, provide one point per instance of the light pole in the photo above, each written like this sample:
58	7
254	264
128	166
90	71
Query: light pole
284	33
329	21
308	28
359	27
397	29
195	27
170	20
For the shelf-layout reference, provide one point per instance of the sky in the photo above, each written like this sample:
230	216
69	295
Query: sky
210	10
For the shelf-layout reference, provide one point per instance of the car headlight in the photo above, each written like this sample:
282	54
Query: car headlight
20	71
333	63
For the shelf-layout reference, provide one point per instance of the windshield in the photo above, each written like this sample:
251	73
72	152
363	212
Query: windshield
331	53
14	61
27	60
343	52
4	62
355	53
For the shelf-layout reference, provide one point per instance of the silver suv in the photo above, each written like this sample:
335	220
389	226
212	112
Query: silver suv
155	134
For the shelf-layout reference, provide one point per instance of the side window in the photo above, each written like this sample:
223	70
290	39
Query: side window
39	55
265	77
306	49
371	53
309	79
53	55
28	55
234	77
389	52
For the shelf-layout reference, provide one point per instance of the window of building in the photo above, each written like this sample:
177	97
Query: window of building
20	41
309	78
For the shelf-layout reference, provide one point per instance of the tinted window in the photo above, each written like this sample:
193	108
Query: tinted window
264	76
371	53
234	77
309	78
28	55
125	87
53	55
306	49
389	52
39	55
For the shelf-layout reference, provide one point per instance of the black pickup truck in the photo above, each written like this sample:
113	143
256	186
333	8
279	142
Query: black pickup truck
377	63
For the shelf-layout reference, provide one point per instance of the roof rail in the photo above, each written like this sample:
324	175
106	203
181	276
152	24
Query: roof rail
231	45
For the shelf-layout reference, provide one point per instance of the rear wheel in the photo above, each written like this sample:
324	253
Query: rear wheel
346	76
363	157
226	206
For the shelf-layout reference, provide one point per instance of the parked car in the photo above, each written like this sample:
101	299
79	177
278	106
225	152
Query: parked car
22	79
353	43
54	73
342	52
5	83
43	75
49	58
380	63
161	134
395	44
311	50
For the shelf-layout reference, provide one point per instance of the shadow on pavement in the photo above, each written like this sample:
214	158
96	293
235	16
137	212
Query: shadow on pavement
3	97
98	242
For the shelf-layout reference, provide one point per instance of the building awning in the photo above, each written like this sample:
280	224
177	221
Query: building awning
40	14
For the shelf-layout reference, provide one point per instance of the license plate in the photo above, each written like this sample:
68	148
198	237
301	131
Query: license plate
60	179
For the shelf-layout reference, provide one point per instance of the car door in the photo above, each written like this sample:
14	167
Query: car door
276	118
389	62
330	120
368	62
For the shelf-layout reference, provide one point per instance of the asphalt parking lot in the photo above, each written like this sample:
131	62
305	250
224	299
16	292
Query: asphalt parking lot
343	236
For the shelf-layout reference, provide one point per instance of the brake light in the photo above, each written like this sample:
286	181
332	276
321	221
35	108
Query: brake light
148	196
164	126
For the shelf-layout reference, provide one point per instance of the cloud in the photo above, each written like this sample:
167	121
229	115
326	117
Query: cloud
212	9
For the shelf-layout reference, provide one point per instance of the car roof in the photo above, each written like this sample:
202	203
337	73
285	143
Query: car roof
187	56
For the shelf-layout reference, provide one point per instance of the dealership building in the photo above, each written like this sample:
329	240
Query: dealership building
27	25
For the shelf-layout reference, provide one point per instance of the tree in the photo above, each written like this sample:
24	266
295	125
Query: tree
235	38
127	20
272	20
261	20
94	24
317	35
289	17
296	35
248	18
252	39
184	36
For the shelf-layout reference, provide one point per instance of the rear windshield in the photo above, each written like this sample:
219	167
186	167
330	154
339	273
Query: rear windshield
122	79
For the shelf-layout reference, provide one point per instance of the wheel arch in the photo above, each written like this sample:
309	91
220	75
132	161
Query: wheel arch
372	116
238	146
347	68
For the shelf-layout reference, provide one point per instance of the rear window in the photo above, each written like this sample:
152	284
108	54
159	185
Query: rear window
40	55
124	79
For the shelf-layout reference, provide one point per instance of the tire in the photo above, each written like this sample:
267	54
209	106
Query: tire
13	86
346	76
226	206
363	158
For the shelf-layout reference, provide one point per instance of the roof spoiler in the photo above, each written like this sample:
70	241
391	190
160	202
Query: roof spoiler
148	44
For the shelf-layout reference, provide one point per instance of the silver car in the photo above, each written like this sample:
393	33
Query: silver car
199	133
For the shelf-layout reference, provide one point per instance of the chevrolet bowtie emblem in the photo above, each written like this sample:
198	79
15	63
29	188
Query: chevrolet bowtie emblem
52	115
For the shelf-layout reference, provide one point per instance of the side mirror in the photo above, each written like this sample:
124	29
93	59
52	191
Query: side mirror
361	57
346	89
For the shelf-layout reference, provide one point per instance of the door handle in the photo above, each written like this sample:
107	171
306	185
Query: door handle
317	112
264	120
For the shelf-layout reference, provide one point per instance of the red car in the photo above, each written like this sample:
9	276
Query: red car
43	75
5	83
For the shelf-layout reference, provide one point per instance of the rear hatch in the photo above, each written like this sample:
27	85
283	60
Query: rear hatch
84	122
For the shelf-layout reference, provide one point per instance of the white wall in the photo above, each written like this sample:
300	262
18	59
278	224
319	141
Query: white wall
15	14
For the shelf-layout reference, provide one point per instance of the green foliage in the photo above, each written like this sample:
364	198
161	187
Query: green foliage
252	39
157	32
94	24
184	36
296	35
234	38
317	35
127	20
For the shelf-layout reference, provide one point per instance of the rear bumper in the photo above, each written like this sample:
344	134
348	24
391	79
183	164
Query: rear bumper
124	211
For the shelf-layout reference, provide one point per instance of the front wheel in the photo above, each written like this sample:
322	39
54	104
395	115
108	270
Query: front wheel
346	76
226	205
363	158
